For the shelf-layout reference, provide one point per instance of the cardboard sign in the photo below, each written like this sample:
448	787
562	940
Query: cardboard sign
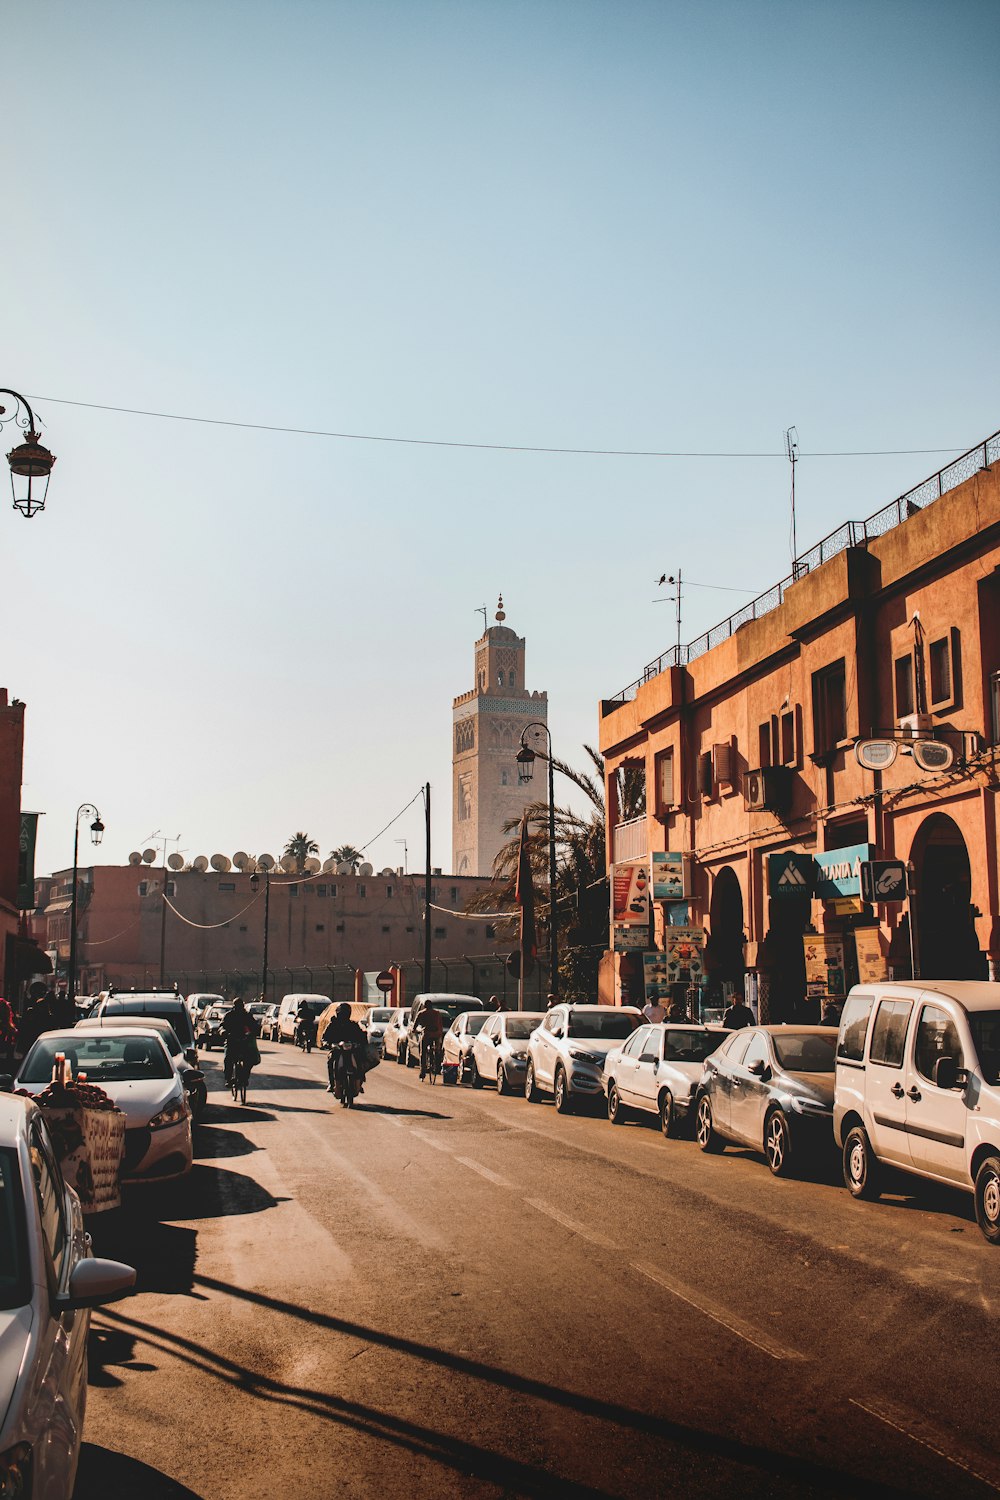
668	875
824	956
630	939
630	894
873	964
684	952
655	980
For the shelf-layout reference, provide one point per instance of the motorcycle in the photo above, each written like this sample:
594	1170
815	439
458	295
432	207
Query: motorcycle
346	1082
305	1033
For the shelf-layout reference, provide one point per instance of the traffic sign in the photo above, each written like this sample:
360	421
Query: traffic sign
384	981
883	880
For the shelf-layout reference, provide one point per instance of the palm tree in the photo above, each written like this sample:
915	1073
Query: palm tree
347	855
300	847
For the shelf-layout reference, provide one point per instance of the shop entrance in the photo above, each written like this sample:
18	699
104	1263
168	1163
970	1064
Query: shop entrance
724	951
948	946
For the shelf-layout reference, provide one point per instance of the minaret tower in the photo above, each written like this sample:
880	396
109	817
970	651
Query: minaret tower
487	736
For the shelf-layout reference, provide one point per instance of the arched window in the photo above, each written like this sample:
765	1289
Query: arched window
511	679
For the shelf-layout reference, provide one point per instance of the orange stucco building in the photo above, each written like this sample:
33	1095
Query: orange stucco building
888	631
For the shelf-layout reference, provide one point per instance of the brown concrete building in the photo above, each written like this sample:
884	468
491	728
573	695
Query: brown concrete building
488	722
890	631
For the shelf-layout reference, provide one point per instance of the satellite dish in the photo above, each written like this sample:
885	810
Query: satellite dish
312	865
200	864
388	870
288	862
220	862
149	855
241	859
329	865
367	869
176	861
266	861
345	868
135	858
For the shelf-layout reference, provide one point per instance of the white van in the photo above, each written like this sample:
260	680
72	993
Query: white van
284	1028
918	1087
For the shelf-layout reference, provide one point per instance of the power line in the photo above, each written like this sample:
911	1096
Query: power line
393	820
372	437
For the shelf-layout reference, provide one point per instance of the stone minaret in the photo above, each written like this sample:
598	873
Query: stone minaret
487	736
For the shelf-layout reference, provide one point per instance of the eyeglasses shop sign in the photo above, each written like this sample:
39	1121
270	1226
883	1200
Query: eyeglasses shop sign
838	871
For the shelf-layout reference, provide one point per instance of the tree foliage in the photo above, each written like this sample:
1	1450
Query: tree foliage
300	846
347	855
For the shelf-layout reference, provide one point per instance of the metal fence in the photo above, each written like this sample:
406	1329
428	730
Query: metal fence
850	534
336	981
479	976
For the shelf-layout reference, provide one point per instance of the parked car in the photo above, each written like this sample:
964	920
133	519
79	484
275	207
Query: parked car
394	1035
458	1039
288	1008
135	1069
918	1087
201	1001
375	1023
166	1004
210	1032
566	1052
184	1060
657	1071
269	1023
499	1052
770	1088
448	1005
49	1281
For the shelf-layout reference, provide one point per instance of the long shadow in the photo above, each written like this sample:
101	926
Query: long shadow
106	1475
213	1143
510	1475
243	1114
109	1349
207	1192
164	1255
392	1109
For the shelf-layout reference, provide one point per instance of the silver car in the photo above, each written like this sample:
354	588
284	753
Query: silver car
375	1023
657	1071
566	1052
500	1051
394	1035
458	1041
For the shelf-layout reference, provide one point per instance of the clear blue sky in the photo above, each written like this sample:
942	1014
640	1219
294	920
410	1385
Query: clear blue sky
614	225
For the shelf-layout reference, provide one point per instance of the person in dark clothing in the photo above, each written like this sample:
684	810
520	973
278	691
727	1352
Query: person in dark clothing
342	1029
738	1015
8	1034
240	1031
36	1019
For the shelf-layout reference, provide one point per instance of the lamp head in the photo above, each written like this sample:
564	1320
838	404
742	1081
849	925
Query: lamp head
97	830
525	765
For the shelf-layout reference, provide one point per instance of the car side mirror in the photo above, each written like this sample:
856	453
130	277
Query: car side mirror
94	1282
758	1067
496	1040
946	1073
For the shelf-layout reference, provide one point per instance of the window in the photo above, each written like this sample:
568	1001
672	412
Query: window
340	926
789	739
320	927
49	1190
243	929
227	885
944	659
491	931
757	1050
829	708
511	679
631	1047
889	1032
854	1027
902	673
172	888
321	890
737	1048
293	890
665	798
649	1052
385	927
936	1037
143	887
440	932
454	893
411	929
361	889
388	892
333	891
764	744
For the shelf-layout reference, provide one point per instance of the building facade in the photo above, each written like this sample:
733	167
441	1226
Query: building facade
760	812
487	725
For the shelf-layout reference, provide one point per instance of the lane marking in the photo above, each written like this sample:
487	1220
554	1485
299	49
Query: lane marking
905	1422
721	1315
573	1225
475	1166
429	1140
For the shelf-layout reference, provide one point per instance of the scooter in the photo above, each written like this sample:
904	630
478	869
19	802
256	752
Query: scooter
346	1083
305	1034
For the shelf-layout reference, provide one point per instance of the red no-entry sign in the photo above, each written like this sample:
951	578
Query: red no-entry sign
384	981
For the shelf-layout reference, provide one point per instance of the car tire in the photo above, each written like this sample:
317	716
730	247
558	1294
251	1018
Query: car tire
561	1094
616	1109
503	1087
861	1169
668	1115
399	1056
778	1144
475	1077
407	1059
532	1092
988	1199
707	1136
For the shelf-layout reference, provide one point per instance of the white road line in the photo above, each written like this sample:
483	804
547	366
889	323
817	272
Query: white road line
905	1422
429	1140
583	1230
389	1120
476	1166
721	1315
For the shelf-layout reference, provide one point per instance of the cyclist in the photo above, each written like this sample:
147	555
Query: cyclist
430	1023
240	1031
342	1029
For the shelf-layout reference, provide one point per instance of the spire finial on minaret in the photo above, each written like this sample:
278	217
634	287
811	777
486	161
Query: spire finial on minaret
500	611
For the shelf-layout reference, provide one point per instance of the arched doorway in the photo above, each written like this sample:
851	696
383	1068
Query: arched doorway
947	943
724	964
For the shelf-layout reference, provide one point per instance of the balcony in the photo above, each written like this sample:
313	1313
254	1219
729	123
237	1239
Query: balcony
631	841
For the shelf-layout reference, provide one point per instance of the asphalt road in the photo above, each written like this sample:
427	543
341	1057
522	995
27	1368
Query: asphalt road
446	1293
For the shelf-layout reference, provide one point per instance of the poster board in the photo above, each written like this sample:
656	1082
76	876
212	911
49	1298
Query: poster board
873	963
630	895
824	956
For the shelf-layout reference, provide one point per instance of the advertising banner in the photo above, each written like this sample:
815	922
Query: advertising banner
824	955
790	874
873	964
630	939
654	974
838	871
26	862
668	875
684	953
630	894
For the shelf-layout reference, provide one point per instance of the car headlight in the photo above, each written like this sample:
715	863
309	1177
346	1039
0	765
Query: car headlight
15	1472
172	1114
809	1107
586	1057
521	1056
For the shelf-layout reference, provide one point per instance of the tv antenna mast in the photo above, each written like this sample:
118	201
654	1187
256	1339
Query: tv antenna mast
792	452
675	598
481	609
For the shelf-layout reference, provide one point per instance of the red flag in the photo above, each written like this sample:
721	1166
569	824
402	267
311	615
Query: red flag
524	893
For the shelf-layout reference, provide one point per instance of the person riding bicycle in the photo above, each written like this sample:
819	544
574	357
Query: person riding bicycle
240	1031
305	1021
430	1023
342	1029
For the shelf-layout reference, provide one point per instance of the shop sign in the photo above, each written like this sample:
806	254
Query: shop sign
654	975
883	880
684	952
677	913
873	965
669	869
26	862
630	939
630	891
824	956
846	906
838	871
790	874
875	755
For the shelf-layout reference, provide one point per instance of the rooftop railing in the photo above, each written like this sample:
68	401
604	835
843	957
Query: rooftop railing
850	534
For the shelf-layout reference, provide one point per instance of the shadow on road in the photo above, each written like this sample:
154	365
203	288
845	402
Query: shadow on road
164	1255
106	1475
210	1142
109	1349
393	1109
224	1112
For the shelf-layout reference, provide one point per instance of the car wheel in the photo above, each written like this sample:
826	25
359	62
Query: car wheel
778	1144
668	1116
861	1172
561	1093
399	1056
616	1110
532	1092
503	1087
407	1059
475	1077
988	1199
707	1135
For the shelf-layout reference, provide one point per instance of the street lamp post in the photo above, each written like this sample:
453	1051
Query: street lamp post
525	773
96	834
255	887
30	464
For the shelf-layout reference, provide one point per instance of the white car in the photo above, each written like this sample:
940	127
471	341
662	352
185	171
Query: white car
375	1024
394	1035
134	1068
201	1001
458	1040
48	1283
657	1072
918	1087
500	1050
566	1052
288	1011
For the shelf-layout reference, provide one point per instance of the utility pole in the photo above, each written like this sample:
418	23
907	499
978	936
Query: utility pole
160	838
427	889
792	451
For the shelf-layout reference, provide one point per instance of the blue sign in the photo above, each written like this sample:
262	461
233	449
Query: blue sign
838	871
677	914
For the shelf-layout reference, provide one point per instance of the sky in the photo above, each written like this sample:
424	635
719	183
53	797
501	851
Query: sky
590	224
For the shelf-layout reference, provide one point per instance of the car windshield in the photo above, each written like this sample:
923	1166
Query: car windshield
15	1288
315	1007
613	1026
985	1028
689	1046
519	1028
805	1051
475	1022
380	1015
104	1059
449	1012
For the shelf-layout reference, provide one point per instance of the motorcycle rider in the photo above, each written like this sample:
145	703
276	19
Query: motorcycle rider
342	1029
430	1023
305	1021
240	1030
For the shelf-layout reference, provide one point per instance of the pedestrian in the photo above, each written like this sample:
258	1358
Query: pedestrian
493	1003
738	1015
654	1011
8	1034
551	1000
37	1018
678	1011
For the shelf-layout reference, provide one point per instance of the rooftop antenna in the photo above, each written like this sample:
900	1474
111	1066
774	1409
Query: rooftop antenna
792	452
676	598
481	609
405	855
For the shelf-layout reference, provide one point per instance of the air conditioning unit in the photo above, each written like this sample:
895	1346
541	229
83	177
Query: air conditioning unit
767	790
916	724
